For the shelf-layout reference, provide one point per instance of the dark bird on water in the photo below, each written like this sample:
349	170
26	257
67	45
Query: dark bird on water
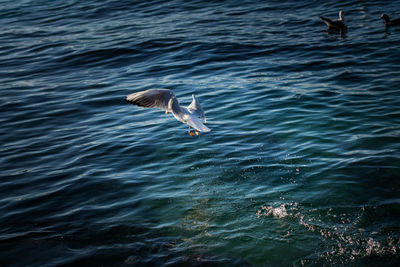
388	22
339	24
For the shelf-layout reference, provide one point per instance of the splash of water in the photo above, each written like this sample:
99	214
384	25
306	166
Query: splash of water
278	212
345	242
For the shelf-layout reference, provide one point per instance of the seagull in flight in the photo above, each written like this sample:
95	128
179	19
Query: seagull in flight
335	23
165	99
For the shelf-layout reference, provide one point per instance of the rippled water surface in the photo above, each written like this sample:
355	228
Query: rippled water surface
302	166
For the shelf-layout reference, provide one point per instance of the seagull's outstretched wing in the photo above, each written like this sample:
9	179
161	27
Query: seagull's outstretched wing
156	98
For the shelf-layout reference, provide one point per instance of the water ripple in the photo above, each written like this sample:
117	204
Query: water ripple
300	168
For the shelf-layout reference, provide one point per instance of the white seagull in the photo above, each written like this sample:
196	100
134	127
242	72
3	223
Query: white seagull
336	23
166	100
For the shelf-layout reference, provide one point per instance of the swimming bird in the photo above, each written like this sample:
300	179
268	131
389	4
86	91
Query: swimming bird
165	99
388	22
336	23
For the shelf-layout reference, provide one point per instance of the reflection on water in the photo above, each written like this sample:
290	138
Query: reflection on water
197	220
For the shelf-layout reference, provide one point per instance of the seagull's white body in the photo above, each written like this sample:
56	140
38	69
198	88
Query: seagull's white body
165	99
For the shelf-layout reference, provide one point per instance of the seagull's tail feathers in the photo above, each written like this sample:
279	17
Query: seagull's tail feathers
197	124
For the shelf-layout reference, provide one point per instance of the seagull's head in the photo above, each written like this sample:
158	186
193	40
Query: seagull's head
203	118
341	14
384	17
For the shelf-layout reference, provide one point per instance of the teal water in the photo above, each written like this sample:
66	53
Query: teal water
301	166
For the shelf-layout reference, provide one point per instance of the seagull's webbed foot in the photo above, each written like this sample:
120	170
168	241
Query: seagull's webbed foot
196	132
166	112
189	132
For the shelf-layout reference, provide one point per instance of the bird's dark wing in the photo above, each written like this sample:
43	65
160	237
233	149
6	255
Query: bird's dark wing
154	98
327	21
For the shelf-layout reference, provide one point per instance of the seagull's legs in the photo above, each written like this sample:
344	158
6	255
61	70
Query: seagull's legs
190	131
166	112
196	132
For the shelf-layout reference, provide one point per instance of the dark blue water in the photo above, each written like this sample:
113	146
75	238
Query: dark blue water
302	166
